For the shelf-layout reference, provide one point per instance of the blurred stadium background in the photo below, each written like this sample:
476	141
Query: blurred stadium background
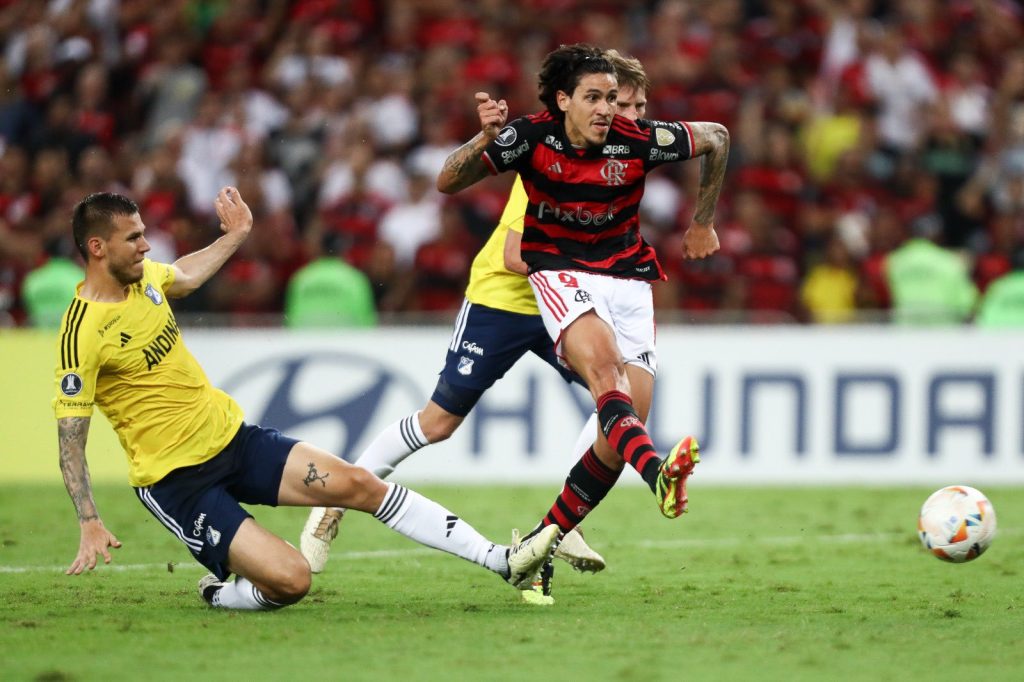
873	202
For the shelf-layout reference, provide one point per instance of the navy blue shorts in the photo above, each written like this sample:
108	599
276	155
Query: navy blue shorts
199	504
485	344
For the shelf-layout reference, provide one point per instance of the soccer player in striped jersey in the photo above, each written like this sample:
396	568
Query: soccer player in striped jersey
497	325
583	168
191	457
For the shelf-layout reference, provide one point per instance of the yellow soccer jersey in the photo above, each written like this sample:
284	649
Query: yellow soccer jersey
128	358
492	285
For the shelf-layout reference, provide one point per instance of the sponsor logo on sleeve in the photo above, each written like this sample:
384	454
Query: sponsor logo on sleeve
513	154
661	155
507	137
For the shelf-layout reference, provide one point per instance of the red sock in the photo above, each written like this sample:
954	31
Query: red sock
588	482
627	434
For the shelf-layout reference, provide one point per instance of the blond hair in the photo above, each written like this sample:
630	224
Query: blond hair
628	71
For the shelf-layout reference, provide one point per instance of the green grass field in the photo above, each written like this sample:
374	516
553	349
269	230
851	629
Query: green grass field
765	584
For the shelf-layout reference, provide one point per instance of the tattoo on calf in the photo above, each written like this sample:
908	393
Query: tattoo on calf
314	475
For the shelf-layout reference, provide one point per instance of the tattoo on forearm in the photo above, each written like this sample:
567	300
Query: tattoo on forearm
712	174
465	165
314	475
72	433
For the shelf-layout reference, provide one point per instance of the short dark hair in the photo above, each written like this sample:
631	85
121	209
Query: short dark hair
563	68
94	215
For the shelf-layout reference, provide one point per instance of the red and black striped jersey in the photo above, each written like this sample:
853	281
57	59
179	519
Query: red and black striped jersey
583	211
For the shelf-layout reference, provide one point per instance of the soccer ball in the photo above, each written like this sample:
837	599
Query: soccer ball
957	523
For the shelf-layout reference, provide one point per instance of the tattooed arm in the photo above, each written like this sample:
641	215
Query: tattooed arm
711	143
72	433
465	166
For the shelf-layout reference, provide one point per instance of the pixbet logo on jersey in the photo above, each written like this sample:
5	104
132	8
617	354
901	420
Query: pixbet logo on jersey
576	214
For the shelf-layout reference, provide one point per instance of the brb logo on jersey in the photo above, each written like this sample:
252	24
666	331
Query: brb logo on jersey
336	400
507	137
152	294
71	384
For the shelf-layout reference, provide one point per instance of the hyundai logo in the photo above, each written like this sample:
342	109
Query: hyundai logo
329	399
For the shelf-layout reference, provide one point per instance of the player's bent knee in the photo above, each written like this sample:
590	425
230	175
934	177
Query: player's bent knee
291	581
363	489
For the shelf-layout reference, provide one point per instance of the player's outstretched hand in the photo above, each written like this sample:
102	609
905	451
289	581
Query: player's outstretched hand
96	539
700	241
234	214
492	114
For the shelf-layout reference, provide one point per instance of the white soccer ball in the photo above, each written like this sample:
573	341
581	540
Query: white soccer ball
957	523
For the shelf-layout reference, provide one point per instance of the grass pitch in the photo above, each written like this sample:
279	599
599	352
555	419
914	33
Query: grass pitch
765	584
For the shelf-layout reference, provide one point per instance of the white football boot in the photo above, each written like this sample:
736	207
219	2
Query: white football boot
526	558
319	532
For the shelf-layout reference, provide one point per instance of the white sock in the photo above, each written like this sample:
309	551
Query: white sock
587	437
242	594
430	524
391	446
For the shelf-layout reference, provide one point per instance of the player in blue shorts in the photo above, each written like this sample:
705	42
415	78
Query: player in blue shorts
192	460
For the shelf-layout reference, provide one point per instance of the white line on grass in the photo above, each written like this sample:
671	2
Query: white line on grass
189	565
783	540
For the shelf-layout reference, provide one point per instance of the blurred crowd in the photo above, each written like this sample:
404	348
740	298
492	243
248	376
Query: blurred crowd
859	128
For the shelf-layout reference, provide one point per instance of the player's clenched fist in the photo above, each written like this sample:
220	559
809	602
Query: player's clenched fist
492	114
700	241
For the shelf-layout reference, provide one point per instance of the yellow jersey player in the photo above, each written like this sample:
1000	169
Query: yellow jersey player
498	324
191	458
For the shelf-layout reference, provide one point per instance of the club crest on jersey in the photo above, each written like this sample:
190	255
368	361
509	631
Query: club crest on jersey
664	137
614	172
465	366
212	536
71	384
507	137
152	294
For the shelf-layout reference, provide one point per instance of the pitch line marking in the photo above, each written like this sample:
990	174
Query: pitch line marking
840	538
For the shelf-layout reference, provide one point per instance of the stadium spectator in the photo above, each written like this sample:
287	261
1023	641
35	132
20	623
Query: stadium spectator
171	88
328	292
411	223
1002	304
829	292
48	289
929	284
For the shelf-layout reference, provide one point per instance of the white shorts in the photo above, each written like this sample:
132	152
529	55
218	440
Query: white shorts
625	304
